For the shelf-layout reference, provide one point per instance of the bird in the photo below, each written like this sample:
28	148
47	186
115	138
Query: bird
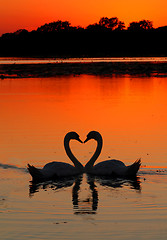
113	167
54	170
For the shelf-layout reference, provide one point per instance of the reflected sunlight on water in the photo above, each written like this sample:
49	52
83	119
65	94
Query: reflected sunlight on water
129	112
19	60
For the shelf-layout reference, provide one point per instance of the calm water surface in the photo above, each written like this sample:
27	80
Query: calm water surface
129	112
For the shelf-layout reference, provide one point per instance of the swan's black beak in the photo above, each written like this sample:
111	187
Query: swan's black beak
79	140
87	139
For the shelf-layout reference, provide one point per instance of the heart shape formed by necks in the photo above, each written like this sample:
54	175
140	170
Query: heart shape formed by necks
60	169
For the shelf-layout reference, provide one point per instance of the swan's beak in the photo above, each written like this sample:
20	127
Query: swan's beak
86	140
79	140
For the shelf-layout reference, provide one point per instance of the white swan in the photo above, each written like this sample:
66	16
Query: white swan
59	169
115	168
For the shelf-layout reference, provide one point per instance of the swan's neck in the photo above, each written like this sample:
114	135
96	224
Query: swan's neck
76	163
90	163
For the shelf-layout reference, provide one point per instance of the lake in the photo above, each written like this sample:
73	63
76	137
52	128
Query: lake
128	111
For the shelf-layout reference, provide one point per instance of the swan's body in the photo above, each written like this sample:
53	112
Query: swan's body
115	168
59	169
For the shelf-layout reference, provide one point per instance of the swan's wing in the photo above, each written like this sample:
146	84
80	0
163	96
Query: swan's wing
58	169
115	163
109	167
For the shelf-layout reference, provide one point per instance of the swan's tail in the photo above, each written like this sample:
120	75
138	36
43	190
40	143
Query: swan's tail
35	173
133	169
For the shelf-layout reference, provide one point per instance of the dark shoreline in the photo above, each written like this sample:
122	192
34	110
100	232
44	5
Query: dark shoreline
66	69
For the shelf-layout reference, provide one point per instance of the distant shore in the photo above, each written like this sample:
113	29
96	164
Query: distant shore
107	68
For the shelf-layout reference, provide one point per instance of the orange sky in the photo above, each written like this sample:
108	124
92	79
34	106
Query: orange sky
17	14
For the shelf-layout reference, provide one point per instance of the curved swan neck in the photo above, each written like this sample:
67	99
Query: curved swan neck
77	164
90	163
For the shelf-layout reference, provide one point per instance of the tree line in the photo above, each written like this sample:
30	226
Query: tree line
108	37
104	23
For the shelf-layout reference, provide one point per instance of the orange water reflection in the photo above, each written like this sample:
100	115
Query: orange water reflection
129	112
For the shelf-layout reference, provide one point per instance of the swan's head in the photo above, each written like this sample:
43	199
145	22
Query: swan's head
73	135
93	135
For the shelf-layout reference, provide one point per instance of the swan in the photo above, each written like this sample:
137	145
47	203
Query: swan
114	168
59	169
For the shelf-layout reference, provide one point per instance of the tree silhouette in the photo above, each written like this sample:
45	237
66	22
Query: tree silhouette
146	24
141	25
94	27
108	38
110	23
107	23
21	32
121	26
54	26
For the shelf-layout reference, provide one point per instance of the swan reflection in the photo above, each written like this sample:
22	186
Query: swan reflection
132	183
84	191
85	196
35	187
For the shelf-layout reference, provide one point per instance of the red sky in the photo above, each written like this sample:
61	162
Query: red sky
17	14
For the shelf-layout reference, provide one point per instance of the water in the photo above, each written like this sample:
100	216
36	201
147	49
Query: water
129	112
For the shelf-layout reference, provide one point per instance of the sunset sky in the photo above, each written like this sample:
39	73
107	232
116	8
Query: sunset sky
18	14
